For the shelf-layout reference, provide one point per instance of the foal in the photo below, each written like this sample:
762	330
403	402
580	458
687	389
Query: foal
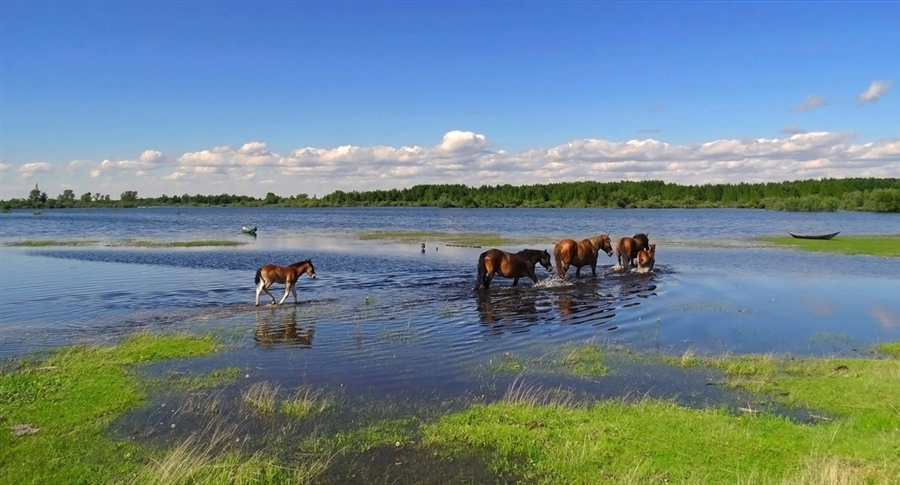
646	259
285	275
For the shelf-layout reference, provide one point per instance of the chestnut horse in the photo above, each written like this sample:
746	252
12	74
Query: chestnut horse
510	265
628	248
646	258
285	275
578	254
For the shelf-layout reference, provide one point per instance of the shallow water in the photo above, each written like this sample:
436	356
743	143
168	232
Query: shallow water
383	318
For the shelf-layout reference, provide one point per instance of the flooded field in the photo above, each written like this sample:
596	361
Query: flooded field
389	330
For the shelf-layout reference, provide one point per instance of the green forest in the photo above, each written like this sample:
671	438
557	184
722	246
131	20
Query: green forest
859	194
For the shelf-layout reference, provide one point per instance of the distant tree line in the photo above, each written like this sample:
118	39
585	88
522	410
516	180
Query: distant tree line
860	194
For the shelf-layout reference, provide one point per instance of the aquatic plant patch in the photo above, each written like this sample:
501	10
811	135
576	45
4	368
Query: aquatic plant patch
450	238
871	245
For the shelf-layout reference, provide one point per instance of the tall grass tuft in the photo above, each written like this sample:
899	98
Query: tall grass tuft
305	402
262	397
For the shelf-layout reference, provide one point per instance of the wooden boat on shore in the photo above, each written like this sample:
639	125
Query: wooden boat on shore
248	230
816	236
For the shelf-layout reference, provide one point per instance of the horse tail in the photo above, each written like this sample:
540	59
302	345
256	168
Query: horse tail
482	271
258	276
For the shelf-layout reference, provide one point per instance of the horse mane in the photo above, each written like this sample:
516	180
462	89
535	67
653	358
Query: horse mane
298	263
595	240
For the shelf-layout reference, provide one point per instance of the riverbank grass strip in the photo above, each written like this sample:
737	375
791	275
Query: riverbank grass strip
888	246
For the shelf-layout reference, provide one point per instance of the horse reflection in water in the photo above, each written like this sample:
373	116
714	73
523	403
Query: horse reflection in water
513	308
510	265
280	327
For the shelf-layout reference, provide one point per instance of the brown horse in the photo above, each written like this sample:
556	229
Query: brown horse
646	258
510	265
628	247
568	252
285	275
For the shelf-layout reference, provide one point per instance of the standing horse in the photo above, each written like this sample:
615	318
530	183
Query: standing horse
646	258
568	252
285	275
628	247
510	265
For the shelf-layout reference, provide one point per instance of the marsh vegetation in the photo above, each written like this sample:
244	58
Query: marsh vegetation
58	408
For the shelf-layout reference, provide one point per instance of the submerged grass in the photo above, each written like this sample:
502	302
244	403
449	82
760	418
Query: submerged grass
124	243
871	245
51	243
451	238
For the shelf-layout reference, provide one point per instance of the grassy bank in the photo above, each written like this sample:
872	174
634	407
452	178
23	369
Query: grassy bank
872	245
854	436
56	411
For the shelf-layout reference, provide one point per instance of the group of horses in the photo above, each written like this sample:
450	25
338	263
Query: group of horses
492	262
567	253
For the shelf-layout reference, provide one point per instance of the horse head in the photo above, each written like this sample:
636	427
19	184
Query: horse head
545	260
603	242
306	267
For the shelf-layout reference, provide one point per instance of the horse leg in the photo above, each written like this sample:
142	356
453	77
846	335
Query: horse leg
259	289
577	271
515	281
287	290
594	269
560	267
294	292
265	287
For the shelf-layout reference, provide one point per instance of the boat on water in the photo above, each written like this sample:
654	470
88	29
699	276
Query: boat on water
814	236
248	230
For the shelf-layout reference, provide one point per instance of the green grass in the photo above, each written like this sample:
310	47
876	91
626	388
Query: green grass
126	243
889	348
451	238
50	243
856	439
888	246
70	397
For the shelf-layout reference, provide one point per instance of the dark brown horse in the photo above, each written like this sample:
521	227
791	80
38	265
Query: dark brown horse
646	258
285	275
628	247
510	265
568	252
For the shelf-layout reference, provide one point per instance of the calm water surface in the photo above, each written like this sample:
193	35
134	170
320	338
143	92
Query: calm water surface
383	317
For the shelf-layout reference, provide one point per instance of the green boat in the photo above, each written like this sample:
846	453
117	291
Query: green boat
248	230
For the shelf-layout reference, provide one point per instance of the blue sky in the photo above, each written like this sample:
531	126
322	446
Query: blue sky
311	97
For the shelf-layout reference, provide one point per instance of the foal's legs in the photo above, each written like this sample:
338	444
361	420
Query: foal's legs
263	286
287	290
